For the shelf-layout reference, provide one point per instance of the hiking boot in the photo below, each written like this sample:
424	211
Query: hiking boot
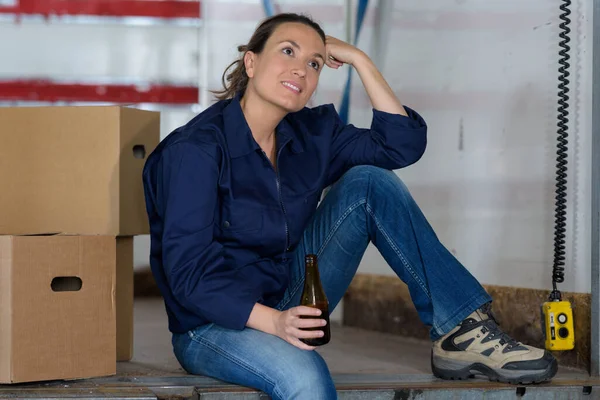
478	346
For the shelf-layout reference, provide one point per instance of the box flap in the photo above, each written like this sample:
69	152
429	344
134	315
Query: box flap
32	234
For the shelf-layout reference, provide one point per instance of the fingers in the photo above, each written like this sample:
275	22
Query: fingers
306	334
311	319
330	44
339	53
303	333
296	334
333	63
306	311
304	323
295	326
301	345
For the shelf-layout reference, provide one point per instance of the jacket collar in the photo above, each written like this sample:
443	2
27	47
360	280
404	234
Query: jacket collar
239	137
237	132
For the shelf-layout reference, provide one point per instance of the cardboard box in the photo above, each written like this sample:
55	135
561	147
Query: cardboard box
75	169
57	307
124	298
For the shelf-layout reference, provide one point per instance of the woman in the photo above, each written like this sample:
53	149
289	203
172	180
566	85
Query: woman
232	202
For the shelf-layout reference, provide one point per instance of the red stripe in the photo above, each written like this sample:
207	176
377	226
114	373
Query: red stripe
48	91
112	8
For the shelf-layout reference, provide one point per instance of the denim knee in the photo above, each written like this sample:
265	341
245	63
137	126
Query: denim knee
366	170
370	172
306	382
361	177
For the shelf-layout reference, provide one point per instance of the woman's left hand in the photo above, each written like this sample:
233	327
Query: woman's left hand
342	52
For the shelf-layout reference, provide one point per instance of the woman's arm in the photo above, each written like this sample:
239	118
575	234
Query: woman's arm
287	324
398	135
381	94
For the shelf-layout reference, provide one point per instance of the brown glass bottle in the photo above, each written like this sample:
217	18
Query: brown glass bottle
313	295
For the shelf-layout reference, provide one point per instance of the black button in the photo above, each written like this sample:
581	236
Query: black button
563	332
226	224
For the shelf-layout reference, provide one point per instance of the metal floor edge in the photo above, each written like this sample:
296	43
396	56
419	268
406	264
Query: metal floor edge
350	387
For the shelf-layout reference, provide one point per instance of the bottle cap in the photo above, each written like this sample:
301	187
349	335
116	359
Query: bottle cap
310	259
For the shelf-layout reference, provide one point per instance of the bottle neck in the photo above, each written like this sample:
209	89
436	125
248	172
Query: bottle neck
312	272
313	293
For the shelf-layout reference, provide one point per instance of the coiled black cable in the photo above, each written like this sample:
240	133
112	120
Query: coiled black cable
558	274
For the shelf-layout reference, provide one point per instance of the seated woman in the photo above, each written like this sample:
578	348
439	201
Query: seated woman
232	203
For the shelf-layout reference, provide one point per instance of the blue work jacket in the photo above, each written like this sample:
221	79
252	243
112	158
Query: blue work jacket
223	221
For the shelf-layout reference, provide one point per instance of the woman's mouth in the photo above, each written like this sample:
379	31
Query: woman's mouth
292	87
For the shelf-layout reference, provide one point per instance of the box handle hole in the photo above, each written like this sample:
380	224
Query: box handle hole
139	151
66	284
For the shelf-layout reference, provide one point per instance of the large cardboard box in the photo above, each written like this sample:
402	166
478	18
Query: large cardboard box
57	307
124	298
75	169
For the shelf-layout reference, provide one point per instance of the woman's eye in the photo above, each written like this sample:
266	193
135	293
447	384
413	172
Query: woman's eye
315	65
288	51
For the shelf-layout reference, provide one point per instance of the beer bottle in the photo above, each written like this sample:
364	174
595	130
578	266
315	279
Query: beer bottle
313	295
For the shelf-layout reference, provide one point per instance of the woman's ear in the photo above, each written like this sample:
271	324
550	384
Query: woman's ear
249	63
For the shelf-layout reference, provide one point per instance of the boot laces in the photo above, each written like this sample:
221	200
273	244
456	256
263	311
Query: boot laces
492	325
496	332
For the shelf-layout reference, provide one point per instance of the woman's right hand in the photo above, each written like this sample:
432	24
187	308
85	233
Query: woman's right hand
289	324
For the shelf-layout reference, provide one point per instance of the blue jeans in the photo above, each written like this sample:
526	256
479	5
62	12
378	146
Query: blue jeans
366	204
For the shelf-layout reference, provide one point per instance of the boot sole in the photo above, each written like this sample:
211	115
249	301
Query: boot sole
456	370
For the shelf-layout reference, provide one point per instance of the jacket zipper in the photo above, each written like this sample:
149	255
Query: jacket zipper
287	231
278	183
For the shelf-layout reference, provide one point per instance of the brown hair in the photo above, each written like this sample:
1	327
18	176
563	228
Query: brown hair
236	81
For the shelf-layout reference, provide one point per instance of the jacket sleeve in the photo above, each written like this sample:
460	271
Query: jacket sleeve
393	141
197	273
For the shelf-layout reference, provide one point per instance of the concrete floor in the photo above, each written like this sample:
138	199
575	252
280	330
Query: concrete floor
358	359
364	364
350	351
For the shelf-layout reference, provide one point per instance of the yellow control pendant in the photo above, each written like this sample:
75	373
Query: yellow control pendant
557	318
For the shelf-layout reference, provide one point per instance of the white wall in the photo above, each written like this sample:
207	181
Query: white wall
484	76
482	73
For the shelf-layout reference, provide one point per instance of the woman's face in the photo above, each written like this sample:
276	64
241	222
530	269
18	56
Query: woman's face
287	71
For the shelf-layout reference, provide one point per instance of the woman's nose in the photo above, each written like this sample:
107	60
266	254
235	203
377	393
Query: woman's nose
300	71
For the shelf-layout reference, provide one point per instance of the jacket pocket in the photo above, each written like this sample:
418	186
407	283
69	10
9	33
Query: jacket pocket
241	219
